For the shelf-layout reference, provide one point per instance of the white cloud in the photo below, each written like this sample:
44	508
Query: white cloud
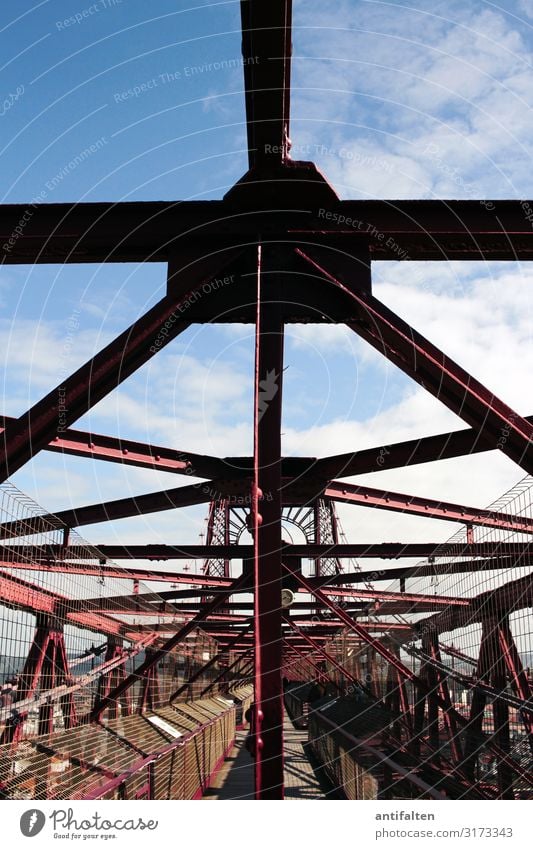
395	80
526	6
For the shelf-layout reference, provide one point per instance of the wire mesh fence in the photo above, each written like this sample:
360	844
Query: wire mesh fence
70	633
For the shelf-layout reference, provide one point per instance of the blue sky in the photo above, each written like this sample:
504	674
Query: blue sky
390	101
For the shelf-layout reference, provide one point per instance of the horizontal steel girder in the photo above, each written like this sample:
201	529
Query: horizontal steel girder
153	502
158	603
122	572
128	452
427	449
238	491
384	550
364	496
424	570
515	595
33	599
155	231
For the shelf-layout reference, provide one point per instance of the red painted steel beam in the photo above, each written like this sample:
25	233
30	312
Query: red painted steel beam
517	674
325	627
127	452
384	550
35	429
453	652
79	683
159	602
424	570
501	426
139	505
214	490
398	455
267	531
386	595
364	496
23	595
399	609
121	572
154	231
152	600
147	575
334	624
508	598
430	644
266	50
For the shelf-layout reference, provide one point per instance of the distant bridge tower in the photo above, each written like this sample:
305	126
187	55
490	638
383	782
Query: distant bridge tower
317	521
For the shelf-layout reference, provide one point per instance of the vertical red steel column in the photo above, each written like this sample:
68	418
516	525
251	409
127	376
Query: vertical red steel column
266	510
149	698
517	674
110	679
45	668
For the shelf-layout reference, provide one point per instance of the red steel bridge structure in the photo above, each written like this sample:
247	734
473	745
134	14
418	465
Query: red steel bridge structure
446	653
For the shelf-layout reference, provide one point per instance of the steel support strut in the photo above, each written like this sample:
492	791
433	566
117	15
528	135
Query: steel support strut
266	519
110	679
26	436
497	423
